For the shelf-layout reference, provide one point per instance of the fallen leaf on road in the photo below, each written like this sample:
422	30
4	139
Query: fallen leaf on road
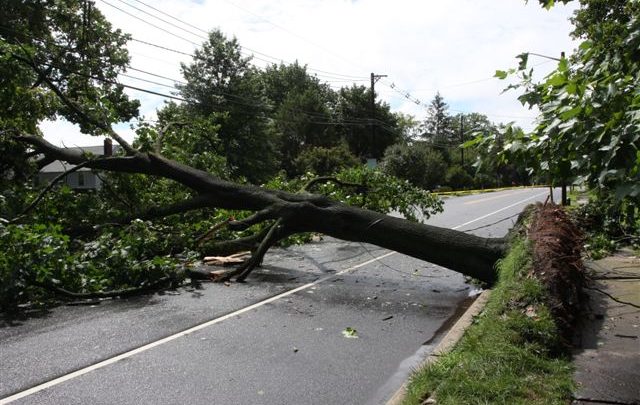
350	333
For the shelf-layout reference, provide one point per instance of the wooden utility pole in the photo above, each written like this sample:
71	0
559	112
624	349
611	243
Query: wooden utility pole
374	79
461	140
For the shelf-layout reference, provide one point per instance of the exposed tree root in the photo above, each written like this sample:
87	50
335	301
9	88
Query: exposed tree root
557	248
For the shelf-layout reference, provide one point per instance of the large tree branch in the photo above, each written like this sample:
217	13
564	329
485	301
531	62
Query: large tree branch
304	212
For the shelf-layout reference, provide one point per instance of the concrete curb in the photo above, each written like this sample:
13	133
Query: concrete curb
448	341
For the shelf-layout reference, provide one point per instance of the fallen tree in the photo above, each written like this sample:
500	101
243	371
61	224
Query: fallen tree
290	213
286	213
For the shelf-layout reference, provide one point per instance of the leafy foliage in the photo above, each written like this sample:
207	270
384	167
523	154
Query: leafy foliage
31	253
418	163
38	258
609	224
458	178
588	131
324	161
384	193
73	46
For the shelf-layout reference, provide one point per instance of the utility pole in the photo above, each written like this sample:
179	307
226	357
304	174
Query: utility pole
461	140
374	79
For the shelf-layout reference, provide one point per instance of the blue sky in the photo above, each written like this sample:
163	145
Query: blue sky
423	46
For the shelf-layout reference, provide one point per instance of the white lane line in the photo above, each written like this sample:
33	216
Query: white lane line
185	332
500	210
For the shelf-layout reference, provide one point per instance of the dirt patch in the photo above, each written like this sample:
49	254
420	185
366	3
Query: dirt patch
557	249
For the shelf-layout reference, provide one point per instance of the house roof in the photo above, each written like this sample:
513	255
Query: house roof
59	166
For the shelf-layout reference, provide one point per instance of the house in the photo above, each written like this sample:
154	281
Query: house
84	178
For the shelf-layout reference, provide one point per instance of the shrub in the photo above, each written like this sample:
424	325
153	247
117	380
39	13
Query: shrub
458	178
324	161
417	163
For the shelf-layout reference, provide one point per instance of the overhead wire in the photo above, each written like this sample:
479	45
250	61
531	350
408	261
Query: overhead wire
150	24
271	59
315	118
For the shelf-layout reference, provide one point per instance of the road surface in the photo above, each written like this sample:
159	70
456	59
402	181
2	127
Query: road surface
278	339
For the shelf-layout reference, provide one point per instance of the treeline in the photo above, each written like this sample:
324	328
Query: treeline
282	119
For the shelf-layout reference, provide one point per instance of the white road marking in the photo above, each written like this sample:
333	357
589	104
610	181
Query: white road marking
185	332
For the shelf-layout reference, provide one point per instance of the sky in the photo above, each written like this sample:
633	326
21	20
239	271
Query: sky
422	46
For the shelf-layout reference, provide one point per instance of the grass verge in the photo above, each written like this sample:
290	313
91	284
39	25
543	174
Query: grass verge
510	355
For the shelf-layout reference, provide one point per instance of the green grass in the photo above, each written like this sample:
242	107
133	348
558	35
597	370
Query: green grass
508	355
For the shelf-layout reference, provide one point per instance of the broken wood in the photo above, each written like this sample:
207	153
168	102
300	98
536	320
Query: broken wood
237	258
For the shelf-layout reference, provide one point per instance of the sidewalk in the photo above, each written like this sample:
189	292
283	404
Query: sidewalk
607	354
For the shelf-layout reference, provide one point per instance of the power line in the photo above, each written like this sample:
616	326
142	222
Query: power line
156	75
161	47
150	24
163	20
417	101
253	51
348	122
293	33
171	16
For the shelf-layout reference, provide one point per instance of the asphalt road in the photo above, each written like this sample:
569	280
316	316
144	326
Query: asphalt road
277	339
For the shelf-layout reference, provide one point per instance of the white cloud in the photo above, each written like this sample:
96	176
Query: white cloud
423	46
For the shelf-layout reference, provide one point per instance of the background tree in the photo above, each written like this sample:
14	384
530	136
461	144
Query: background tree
325	161
438	126
223	86
353	111
301	112
416	162
74	47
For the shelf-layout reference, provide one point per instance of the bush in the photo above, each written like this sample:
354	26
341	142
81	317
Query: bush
482	180
458	178
609	223
324	161
417	163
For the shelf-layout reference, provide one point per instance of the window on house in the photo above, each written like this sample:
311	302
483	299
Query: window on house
80	179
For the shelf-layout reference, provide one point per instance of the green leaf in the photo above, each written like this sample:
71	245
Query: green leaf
563	65
501	74
557	80
571	113
350	333
524	57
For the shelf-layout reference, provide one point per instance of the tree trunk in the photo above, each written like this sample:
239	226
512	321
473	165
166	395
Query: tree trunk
302	212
